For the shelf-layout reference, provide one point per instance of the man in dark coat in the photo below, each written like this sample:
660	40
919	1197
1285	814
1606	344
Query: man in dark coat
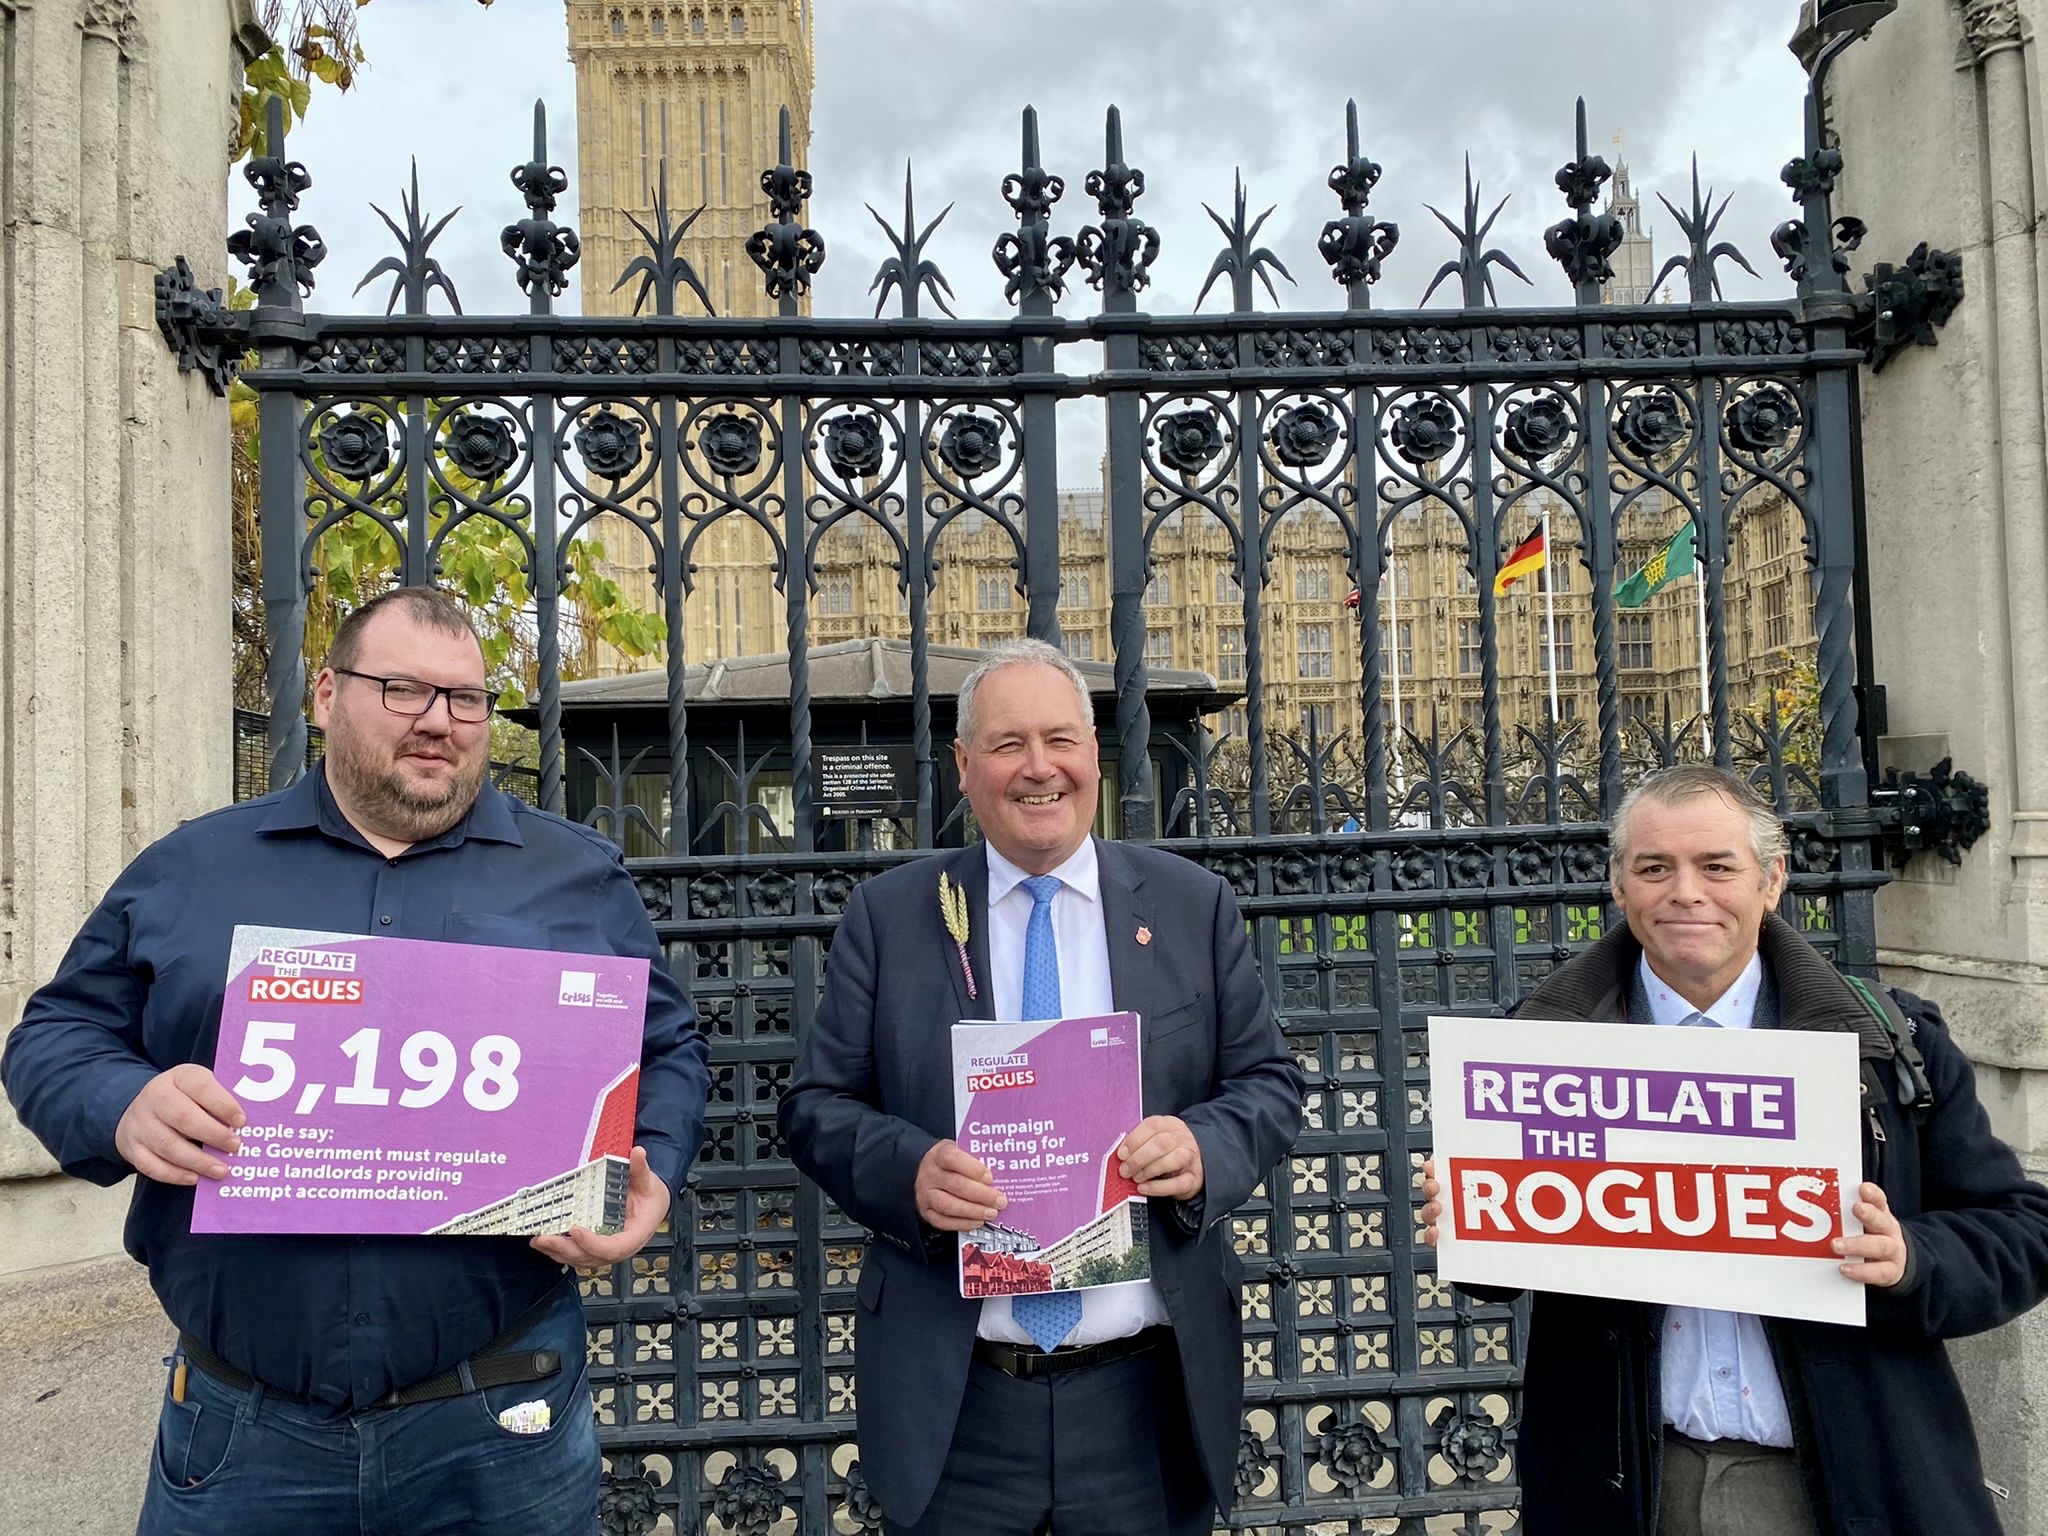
1640	1419
969	1421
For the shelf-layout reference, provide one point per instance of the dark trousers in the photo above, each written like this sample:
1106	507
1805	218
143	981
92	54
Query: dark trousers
244	1461
1105	1450
1730	1488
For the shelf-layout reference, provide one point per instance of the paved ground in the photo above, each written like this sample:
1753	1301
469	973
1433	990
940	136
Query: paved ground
81	1352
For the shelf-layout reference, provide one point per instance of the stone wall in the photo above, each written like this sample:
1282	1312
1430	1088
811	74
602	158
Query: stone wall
115	117
1941	125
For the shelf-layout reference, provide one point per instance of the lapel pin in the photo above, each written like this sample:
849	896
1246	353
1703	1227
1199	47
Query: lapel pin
1144	934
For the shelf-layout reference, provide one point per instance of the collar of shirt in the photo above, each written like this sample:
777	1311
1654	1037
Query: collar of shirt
1078	874
309	806
1733	1009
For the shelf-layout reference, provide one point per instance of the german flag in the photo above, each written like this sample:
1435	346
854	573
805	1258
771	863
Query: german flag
1529	555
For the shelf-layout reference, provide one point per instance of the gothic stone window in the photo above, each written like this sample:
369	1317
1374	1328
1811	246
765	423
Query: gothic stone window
1470	647
1079	644
1635	641
1404	661
1159	590
1076	590
1227	589
1320	718
992	593
1312	650
1158	647
1559	637
1230	655
1311	583
1777	616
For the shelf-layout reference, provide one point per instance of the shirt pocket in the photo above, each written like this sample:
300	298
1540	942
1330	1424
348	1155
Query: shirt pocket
489	928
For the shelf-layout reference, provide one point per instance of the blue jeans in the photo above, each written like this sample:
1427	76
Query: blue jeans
246	1462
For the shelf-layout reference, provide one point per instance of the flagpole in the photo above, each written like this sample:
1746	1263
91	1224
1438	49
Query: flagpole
1394	663
1550	609
1699	582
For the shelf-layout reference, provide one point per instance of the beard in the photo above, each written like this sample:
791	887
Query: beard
378	792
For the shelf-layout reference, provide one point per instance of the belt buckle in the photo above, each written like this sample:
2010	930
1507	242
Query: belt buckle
1029	1364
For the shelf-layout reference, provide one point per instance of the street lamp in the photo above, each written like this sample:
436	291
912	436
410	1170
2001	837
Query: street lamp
1808	246
1822	22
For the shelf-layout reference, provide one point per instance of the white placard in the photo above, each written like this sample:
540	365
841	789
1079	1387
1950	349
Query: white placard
1694	1167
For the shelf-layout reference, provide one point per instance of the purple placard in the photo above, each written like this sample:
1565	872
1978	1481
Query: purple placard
403	1086
1566	1111
1046	1105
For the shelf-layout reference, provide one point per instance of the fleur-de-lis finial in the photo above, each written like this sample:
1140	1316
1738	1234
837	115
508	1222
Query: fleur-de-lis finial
1032	260
1582	243
1356	245
279	254
1117	253
788	252
543	250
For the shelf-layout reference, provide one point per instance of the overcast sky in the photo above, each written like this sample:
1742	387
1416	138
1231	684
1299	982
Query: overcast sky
1205	87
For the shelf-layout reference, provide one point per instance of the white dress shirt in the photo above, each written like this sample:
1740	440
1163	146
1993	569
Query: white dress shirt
1719	1379
1107	1311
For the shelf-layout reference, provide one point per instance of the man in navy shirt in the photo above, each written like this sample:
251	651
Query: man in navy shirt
338	1384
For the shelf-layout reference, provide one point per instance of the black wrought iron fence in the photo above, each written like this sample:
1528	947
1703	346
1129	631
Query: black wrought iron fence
1387	872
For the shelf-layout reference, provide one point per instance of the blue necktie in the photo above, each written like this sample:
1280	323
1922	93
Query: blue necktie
1051	1317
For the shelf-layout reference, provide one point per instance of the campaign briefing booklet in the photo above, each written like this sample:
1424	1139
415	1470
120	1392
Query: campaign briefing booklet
407	1086
1045	1105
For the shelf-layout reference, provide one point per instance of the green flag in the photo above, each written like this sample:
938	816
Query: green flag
1669	564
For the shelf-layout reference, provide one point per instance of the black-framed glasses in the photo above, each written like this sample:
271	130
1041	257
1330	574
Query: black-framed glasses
410	696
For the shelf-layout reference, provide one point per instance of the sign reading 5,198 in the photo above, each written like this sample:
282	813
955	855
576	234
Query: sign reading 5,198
428	1058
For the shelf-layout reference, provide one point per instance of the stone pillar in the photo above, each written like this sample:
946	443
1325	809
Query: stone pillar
115	118
1940	117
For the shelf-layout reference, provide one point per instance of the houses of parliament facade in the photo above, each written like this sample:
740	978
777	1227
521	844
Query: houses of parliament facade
696	87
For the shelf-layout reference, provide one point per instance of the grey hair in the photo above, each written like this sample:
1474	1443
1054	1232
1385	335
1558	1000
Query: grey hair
1688	781
1017	653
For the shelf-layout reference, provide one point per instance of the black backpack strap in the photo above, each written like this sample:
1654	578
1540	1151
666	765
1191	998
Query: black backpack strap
1909	1068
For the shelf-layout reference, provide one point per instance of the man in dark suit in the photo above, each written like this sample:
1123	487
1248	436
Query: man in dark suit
1119	1417
1650	1420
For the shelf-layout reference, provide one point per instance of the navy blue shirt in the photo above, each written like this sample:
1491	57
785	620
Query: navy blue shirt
337	1320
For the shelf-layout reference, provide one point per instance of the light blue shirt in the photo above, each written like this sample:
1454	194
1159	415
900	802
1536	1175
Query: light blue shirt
1107	1311
1719	1380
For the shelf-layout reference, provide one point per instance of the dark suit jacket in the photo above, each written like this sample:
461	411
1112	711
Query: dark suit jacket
872	1093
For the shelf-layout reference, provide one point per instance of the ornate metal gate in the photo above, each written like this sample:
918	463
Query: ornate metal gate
1379	889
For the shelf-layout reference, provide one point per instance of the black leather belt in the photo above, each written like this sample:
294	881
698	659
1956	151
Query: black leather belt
492	1366
1027	1361
1744	1448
